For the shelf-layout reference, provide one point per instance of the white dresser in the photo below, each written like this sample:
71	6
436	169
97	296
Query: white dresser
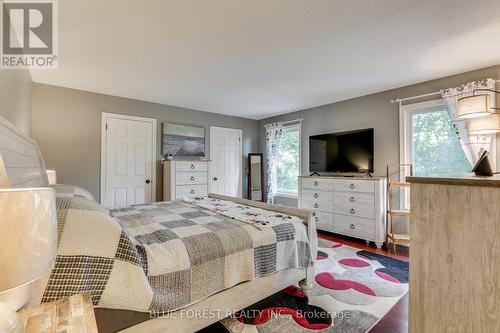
352	206
184	179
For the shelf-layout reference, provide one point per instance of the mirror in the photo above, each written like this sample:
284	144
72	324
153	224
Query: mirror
255	177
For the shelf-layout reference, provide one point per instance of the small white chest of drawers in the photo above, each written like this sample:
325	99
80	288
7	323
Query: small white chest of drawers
352	206
184	179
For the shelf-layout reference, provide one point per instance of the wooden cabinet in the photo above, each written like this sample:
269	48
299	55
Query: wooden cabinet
455	255
354	206
184	179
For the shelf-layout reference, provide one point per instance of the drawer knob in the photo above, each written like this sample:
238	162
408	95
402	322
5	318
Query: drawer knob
192	191
316	219
192	166
316	205
315	195
192	178
315	183
352	226
352	186
351	199
352	211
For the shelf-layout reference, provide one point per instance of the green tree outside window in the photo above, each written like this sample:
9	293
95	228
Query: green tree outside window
435	146
287	166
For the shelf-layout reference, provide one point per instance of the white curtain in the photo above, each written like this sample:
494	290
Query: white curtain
274	132
472	145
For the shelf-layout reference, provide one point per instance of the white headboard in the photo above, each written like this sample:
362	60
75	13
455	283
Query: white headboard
22	158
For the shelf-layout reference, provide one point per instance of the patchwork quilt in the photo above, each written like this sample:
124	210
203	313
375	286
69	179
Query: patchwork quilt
164	256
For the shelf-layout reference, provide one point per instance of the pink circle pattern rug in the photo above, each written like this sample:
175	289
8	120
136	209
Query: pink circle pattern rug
353	290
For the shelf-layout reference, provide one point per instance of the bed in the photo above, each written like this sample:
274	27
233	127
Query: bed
167	266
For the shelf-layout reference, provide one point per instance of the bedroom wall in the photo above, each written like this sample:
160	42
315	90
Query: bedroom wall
67	126
369	111
15	98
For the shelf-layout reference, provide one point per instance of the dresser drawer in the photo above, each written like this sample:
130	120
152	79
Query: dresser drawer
318	184
317	195
188	178
357	210
324	221
190	166
354	226
190	191
353	199
324	206
354	185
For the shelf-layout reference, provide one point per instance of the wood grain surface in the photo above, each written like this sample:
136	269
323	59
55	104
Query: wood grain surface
454	259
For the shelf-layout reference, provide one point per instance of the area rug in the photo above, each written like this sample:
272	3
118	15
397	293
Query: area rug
353	290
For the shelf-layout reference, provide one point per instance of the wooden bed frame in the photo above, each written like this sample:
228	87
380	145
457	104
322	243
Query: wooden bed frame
25	168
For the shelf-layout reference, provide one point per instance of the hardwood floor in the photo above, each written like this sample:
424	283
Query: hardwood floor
396	321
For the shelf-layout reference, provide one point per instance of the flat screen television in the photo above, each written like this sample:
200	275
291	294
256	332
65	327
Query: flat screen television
344	152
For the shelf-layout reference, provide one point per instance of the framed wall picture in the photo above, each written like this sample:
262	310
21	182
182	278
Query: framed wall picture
183	140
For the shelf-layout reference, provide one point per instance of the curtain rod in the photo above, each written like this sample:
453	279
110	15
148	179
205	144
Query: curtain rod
399	100
274	123
298	120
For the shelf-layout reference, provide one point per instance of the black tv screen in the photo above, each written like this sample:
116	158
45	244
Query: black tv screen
342	152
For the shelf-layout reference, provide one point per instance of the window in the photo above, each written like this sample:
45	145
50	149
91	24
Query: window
431	143
288	162
435	146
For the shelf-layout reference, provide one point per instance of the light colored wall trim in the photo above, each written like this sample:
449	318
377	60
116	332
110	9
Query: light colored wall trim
104	117
242	168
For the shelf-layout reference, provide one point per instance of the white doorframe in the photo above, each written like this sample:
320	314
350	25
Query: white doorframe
104	118
210	174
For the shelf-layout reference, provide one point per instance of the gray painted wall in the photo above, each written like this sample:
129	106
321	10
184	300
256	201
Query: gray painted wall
67	126
15	98
369	111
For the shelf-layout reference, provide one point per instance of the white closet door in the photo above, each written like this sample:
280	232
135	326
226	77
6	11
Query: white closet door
225	156
129	161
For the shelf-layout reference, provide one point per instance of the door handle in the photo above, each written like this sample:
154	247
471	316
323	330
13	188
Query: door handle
148	181
215	178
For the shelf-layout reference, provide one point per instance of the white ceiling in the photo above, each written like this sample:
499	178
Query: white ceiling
257	58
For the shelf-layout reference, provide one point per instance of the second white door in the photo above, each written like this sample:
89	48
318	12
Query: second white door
225	156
